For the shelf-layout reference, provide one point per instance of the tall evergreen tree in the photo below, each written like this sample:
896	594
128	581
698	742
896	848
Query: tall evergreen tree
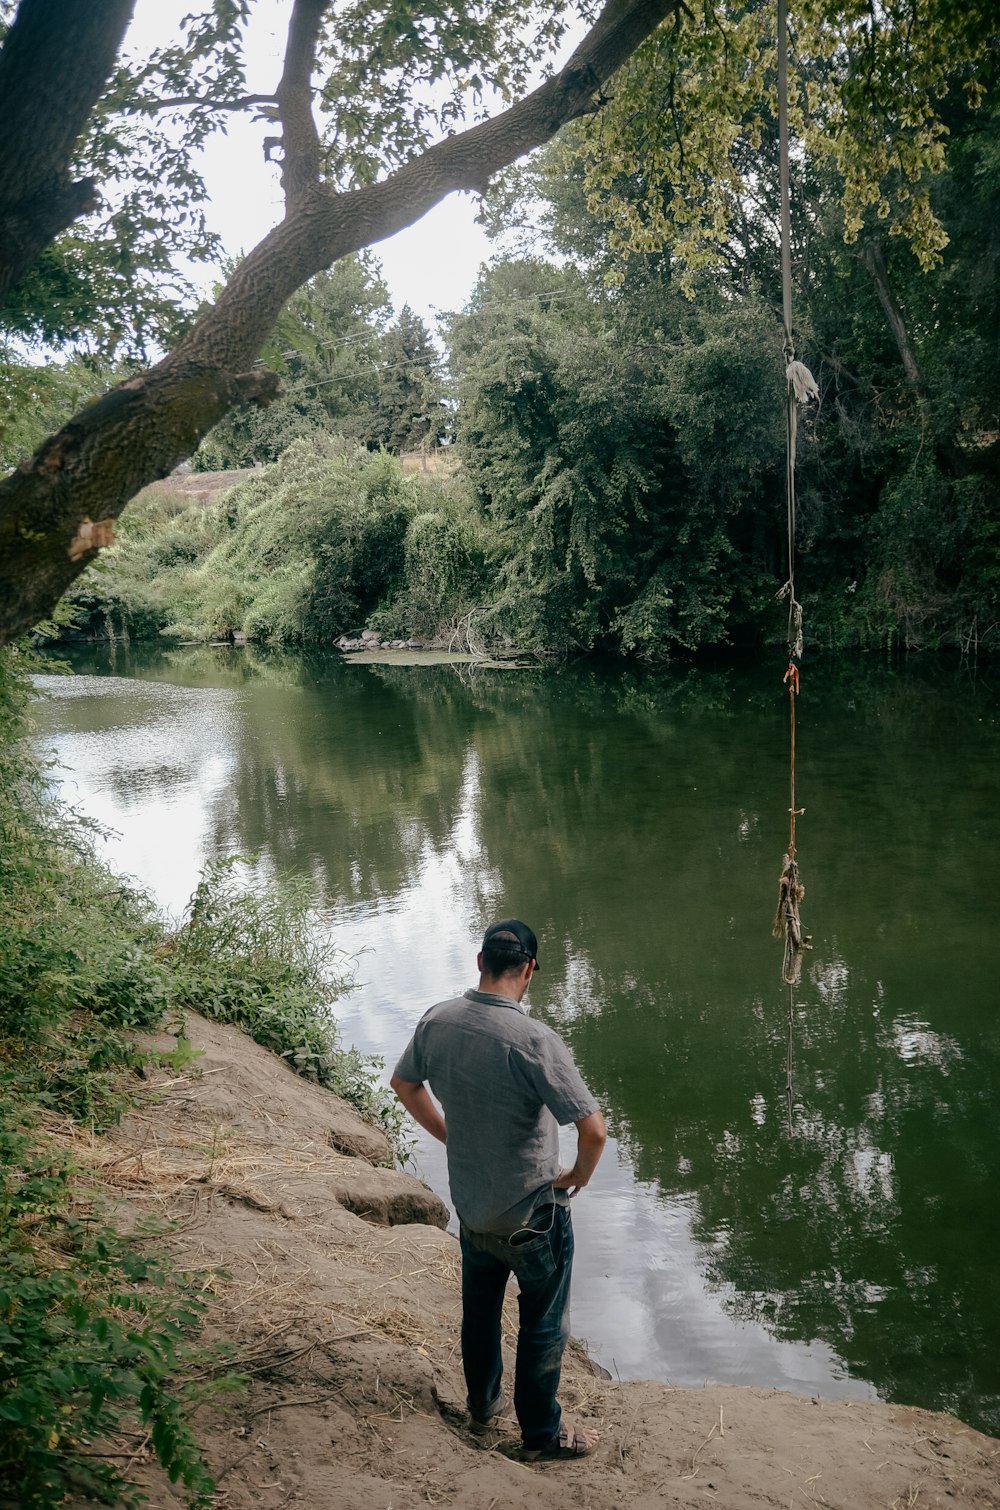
409	409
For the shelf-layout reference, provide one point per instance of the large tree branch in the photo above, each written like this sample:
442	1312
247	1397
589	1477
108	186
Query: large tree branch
301	156
56	60
328	225
56	510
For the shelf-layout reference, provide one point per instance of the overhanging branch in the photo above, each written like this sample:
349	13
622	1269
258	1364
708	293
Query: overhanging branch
152	104
326	226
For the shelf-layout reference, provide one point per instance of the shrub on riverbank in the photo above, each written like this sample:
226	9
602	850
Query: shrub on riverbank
306	550
98	1331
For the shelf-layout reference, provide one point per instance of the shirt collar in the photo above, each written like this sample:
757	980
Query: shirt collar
492	999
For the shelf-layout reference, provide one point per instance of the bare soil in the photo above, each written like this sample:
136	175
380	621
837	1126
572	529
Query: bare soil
338	1285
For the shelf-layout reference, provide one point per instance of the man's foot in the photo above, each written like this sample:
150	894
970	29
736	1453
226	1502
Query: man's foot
481	1425
572	1442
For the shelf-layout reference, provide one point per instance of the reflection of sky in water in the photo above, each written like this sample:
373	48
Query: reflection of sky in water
157	775
148	761
917	1043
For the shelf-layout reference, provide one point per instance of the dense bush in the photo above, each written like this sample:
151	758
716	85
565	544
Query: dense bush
329	538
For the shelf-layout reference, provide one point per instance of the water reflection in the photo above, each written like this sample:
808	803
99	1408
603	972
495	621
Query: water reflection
638	823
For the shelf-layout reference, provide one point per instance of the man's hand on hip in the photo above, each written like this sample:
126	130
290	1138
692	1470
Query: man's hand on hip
592	1134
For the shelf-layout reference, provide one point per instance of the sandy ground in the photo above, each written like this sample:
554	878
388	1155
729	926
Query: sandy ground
339	1289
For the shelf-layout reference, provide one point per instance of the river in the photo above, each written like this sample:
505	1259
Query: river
845	1246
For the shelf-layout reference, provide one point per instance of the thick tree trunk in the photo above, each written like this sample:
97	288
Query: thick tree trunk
57	509
56	60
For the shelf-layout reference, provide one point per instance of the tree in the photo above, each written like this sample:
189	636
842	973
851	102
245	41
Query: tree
678	147
410	405
327	347
58	63
629	449
899	507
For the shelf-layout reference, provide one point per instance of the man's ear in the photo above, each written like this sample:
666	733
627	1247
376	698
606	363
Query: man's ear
479	962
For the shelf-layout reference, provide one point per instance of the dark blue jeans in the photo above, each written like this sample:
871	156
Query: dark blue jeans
543	1267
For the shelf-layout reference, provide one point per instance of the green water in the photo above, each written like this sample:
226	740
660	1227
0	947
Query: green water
638	823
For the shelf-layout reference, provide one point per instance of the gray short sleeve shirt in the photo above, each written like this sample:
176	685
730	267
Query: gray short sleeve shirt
506	1084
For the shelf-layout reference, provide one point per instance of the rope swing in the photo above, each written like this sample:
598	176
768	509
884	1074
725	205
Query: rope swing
800	388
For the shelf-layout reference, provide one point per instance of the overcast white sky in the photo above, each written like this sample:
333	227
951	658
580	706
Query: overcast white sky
432	266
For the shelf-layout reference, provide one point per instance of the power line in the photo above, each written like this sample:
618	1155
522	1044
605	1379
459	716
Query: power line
552	293
348	377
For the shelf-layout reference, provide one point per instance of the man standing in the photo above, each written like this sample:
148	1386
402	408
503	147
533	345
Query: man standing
506	1084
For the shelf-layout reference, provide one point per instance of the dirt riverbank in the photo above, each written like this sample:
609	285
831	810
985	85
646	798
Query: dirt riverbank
339	1287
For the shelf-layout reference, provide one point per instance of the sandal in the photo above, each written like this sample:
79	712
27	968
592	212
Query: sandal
488	1423
572	1442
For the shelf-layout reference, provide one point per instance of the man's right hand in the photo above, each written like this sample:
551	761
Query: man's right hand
592	1133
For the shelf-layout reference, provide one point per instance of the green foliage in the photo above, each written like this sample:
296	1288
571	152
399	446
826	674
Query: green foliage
620	464
310	548
95	1331
448	557
78	959
346	372
397	76
254	959
331	537
409	410
675	156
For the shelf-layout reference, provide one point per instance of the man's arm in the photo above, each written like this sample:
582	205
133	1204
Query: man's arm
592	1135
416	1099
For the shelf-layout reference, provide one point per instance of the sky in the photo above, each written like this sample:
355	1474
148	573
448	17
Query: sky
432	266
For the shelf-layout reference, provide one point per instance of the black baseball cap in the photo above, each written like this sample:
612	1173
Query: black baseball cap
521	932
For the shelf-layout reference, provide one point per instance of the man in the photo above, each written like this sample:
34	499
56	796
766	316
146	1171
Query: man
506	1083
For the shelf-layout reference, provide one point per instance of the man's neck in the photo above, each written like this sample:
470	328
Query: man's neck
502	985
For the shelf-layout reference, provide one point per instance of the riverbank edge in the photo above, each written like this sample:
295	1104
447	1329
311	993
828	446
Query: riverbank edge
333	1279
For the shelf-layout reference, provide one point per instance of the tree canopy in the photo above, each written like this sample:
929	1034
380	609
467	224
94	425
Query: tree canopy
379	112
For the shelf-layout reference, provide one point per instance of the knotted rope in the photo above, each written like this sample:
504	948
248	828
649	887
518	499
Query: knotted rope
800	387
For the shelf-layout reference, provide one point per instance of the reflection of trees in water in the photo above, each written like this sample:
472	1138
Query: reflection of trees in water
348	781
654	838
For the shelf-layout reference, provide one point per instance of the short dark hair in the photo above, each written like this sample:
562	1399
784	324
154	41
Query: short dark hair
503	953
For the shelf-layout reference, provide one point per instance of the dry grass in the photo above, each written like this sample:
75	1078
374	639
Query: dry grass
146	1160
